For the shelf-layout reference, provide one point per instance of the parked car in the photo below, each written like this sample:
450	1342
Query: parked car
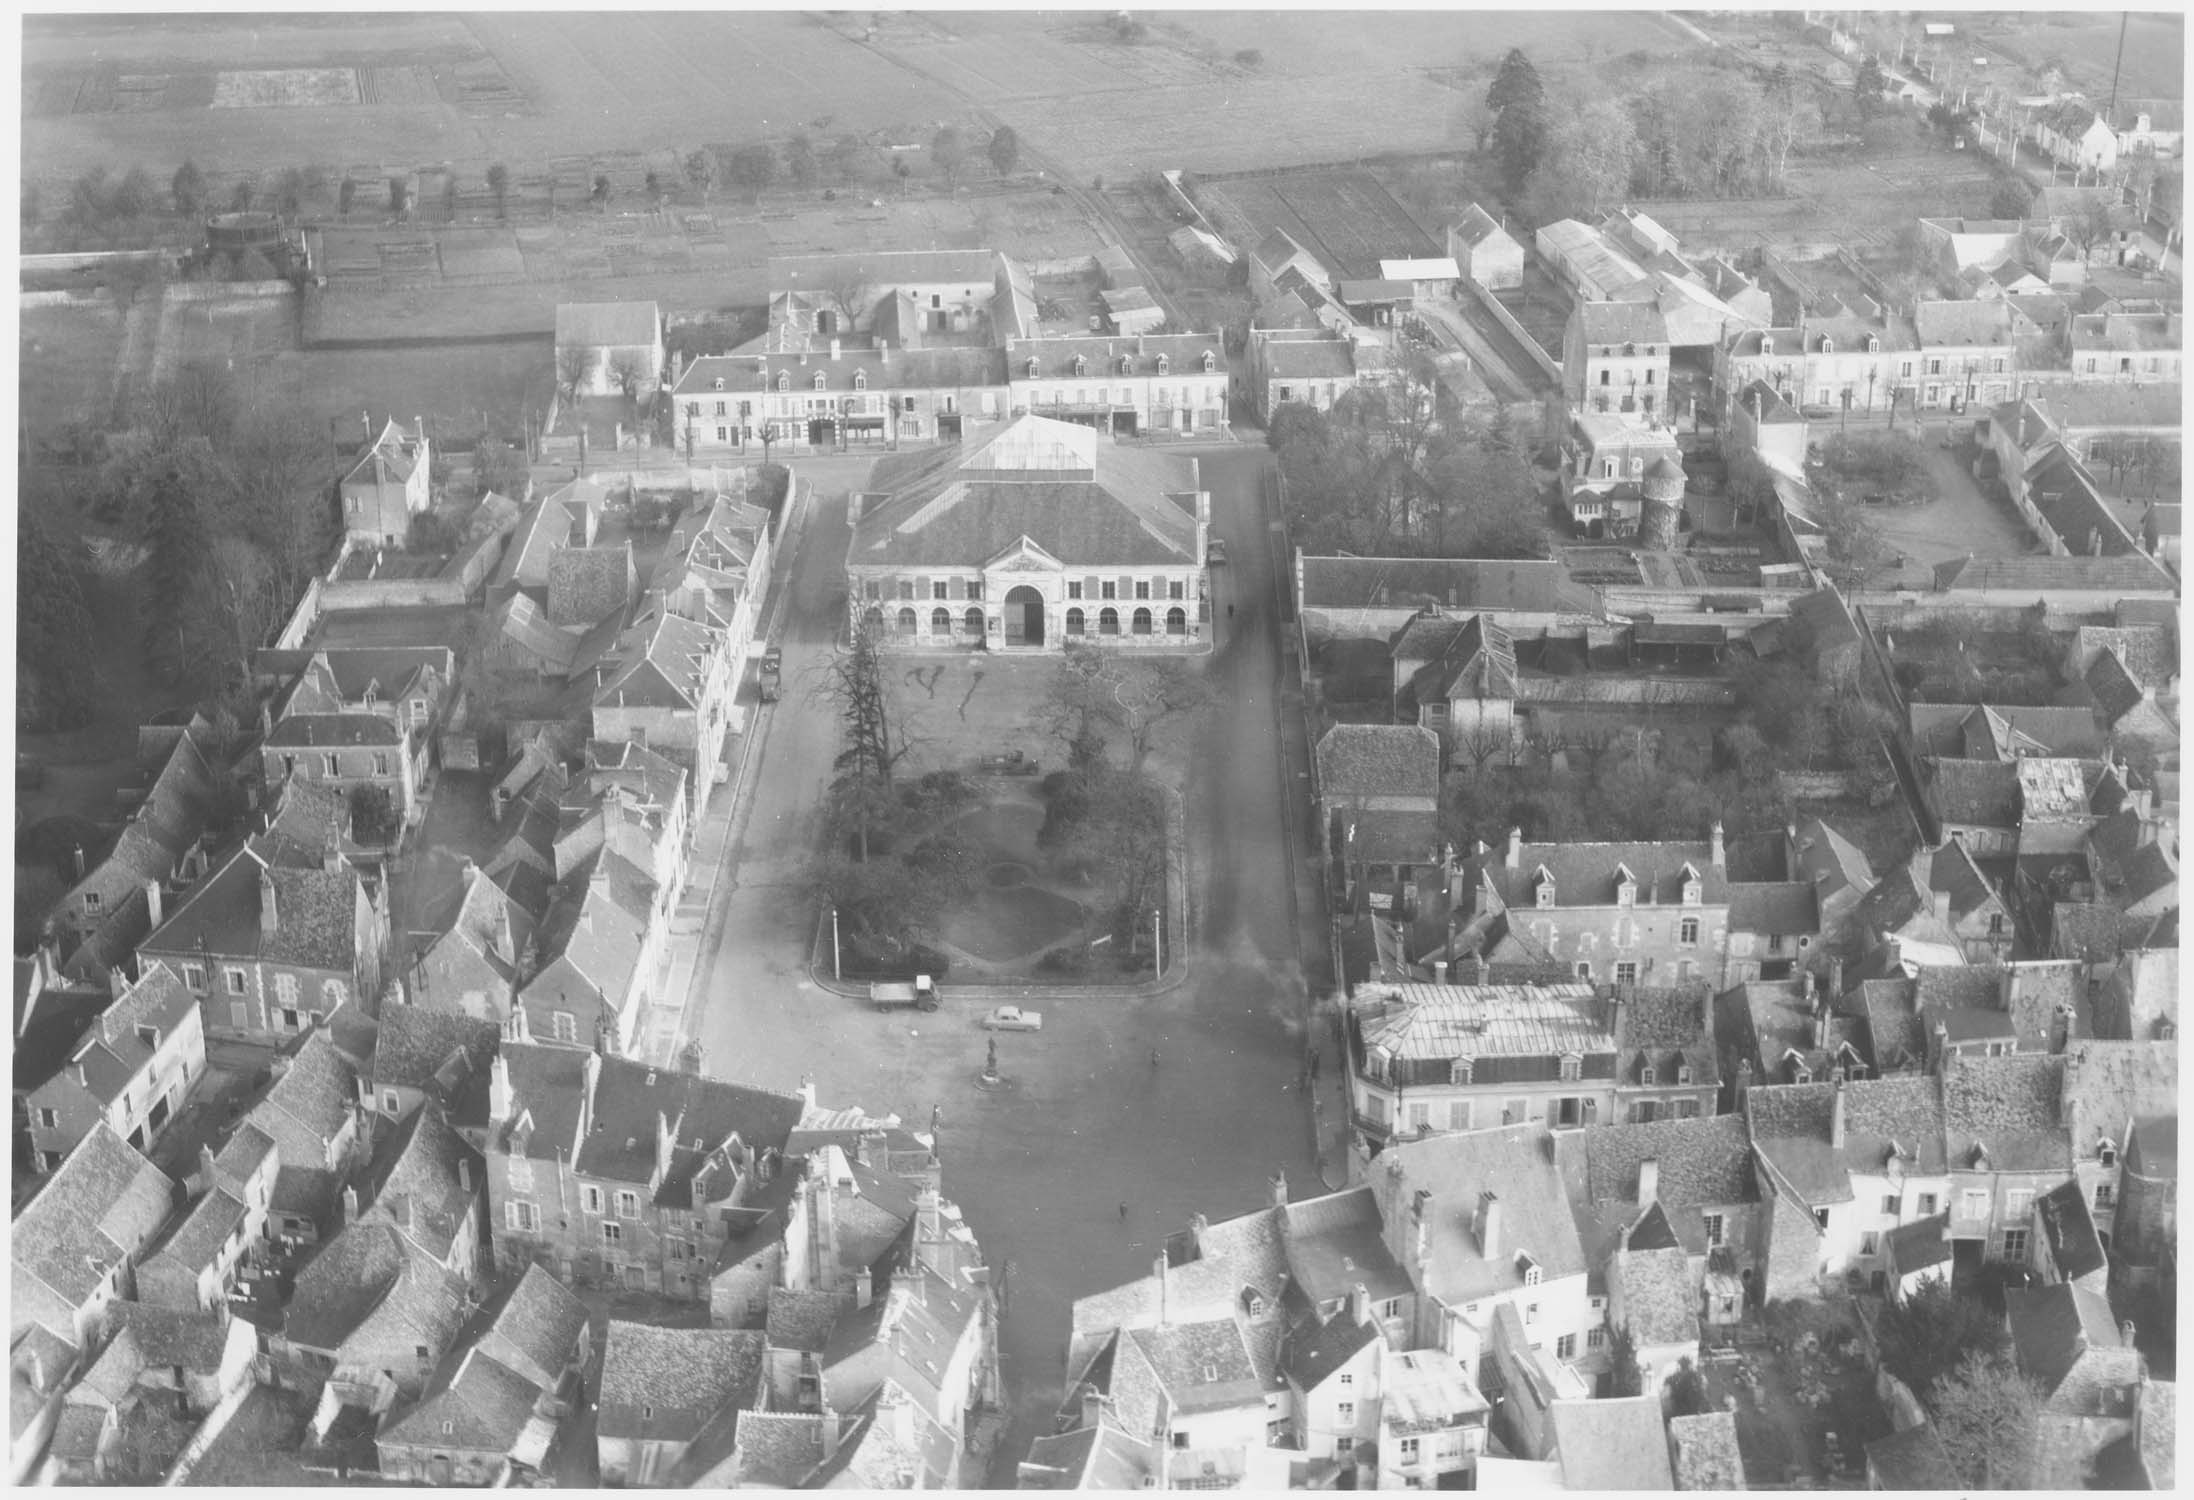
773	674
1013	1018
921	994
1215	556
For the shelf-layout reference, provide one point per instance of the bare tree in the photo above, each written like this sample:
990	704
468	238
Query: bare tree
628	371
574	367
874	744
1094	690
849	290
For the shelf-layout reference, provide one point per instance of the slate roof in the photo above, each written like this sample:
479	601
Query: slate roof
1474	226
597	325
1662	1029
393	456
1790	1124
202	1230
317	1089
1960	730
1314	1351
1921	1243
102	1205
1517	1165
535	1329
1094	1458
2030	575
663	661
1479	662
1914	1459
1586	874
416	1044
1295	358
801	1320
778	1449
1622	322
1449	584
1102	355
316	915
1615	1444
2008	1105
2052	1326
2109	1083
1334	1245
1081	498
2069	1230
108	1050
882	270
1379	760
1198	1366
2094	932
1782	908
1433	1021
1831	863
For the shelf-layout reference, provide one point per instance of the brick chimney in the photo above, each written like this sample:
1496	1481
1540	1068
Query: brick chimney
1359	1304
1716	850
1439	971
1836	1114
1515	854
1278	1186
153	913
269	918
502	1098
1942	906
1649	1181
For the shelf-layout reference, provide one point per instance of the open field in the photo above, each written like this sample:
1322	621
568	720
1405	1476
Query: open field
67	365
1346	219
2085	45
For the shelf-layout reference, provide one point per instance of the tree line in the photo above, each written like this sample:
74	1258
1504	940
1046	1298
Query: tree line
1386	472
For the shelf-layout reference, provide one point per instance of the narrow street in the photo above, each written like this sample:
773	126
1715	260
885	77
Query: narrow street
1083	1122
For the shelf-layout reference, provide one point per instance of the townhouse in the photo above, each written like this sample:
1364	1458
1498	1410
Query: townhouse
313	1115
388	485
669	688
370	1317
492	1413
200	1258
661	1387
477	965
1150	385
1484	251
1315	367
131	1069
1843	363
2110	1091
2131	348
715	569
615	1173
1444	1058
76	1246
426	1182
1615	358
275	941
603	951
2005	1143
1033	534
1968	355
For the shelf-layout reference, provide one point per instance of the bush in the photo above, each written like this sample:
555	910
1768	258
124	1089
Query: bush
1250	57
1072	959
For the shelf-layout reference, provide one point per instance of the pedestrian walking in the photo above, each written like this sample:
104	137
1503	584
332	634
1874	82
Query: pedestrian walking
1154	1057
1230	611
1123	1213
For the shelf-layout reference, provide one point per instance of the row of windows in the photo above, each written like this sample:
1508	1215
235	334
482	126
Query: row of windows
1626	972
1089	586
1141	622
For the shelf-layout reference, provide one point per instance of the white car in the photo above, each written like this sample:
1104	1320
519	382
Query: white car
1013	1018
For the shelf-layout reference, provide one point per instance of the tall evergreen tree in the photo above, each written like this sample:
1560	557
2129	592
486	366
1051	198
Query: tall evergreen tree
1517	82
179	549
1518	101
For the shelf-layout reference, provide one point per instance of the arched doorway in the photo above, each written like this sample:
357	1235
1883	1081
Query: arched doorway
1024	616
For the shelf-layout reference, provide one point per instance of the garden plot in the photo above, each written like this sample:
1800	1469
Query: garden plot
1347	219
285	88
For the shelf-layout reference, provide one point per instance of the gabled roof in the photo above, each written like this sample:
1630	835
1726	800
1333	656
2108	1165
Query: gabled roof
1978	793
2053	1326
2007	1108
536	1328
2002	732
1334	1246
1659	1297
1517	1165
1792	1126
391	459
316	1090
1920	1244
427	1182
368	1273
1435	1021
663	661
1478	662
1379	760
110	1053
1614	1444
1587	874
483	1408
1474	226
1963	324
2029	575
315	916
1622	323
1315	1351
101	1207
1706	1455
1828	861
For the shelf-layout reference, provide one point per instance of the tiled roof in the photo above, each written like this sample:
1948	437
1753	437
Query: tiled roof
428	1182
1474	226
1295	358
1478	662
1660	1297
1379	760
2008	1107
484	1408
664	1384
1449	584
778	1449
202	1231
103	1204
317	1090
1958	729
1792	1126
109	1050
597	325
2109	1083
536	1328
368	1273
1961	324
1831	863
2093	931
1982	794
1104	355
1782	908
663	661
1199	1366
801	1320
1706	1455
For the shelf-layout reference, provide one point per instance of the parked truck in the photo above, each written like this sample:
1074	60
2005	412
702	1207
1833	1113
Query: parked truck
921	994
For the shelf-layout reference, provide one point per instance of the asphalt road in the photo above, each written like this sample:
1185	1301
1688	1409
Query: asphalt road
1083	1122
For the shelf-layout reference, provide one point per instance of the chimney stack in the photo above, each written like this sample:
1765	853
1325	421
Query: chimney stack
1649	1181
1835	979
76	860
807	1090
1093	1405
1489	1225
1158	1271
502	1098
205	1168
834	349
350	1205
1716	851
1942	906
2125	1333
1278	1186
153	913
1359	1304
464	1174
1439	971
1836	1113
269	918
1515	854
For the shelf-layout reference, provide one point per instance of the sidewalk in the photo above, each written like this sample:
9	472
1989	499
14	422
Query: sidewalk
700	910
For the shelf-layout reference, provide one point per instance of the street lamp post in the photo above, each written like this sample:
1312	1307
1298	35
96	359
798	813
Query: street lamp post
1157	942
836	971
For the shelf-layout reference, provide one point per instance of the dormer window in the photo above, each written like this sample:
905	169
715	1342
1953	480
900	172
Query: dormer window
150	1036
1691	880
784	380
718	383
1458	1071
1210	362
1125	364
1032	369
1828	345
1683	1073
1767	345
1529	1268
1081	365
1165	364
2106	1154
1647	1077
1573	1067
860	380
1630	351
1544	880
1626	887
821	380
1873	344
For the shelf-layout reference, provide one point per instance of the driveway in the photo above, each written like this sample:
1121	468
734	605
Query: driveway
1959	520
1083	1123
